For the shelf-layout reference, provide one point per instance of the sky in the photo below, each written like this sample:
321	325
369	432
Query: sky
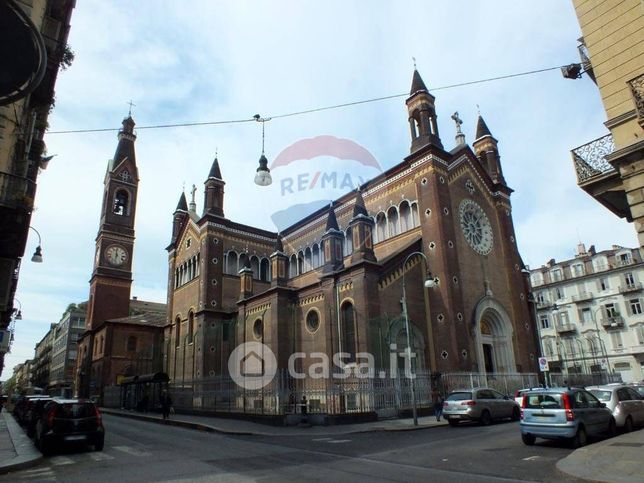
203	61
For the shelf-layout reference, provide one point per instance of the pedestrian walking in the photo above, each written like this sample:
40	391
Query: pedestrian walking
437	400
166	404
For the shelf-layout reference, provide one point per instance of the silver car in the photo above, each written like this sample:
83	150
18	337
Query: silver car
480	404
624	401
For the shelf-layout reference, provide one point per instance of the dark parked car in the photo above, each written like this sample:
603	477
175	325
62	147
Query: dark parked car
22	406
68	421
33	411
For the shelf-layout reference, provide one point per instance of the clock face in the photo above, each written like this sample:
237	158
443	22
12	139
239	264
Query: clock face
116	255
476	227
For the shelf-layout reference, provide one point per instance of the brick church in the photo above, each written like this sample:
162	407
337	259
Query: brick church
123	335
333	281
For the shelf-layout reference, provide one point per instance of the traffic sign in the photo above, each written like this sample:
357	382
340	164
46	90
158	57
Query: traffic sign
543	364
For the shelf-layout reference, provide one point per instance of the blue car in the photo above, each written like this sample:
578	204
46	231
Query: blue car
573	414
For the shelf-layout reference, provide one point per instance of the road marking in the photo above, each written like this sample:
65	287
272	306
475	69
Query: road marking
132	451
321	439
61	460
100	456
531	458
47	469
339	441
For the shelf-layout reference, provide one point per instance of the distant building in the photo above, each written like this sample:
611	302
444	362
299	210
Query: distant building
63	355
22	374
590	312
611	168
42	359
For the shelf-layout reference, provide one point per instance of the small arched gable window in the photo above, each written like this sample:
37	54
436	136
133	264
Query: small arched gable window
121	203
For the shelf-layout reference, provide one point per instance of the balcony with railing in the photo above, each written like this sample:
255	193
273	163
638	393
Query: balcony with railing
582	297
630	287
16	191
637	90
590	159
615	322
566	328
544	304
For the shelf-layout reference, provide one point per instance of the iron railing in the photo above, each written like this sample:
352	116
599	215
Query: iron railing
590	159
637	90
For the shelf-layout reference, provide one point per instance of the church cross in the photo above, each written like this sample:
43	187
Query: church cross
130	110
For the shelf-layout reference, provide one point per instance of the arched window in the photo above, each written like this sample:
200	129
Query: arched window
231	263
312	320
121	199
381	226
131	344
414	215
315	257
300	263
242	262
348	242
308	263
293	266
177	331
191	326
406	222
258	329
348	331
392	221
254	266
265	270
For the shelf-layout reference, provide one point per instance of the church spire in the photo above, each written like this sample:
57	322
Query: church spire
183	203
422	115
486	148
125	146
481	128
214	191
215	172
359	207
332	221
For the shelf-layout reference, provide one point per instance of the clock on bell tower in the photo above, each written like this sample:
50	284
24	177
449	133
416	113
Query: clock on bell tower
112	275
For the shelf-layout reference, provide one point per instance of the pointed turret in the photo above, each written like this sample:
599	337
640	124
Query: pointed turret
332	221
246	280
183	203
179	218
332	243
361	226
486	148
279	260
422	115
125	147
417	84
214	191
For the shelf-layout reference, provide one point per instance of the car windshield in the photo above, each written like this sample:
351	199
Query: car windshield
460	396
71	411
543	401
601	395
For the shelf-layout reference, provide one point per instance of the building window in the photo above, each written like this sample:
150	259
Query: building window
348	343
540	298
545	323
563	318
611	310
586	316
312	320
131	344
629	280
258	329
616	340
191	326
640	334
177	332
636	306
578	270
556	275
121	198
559	293
624	258
603	284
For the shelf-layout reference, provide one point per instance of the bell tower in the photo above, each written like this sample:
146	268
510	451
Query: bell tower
111	282
422	115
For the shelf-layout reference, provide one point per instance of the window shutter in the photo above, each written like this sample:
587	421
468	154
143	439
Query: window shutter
629	309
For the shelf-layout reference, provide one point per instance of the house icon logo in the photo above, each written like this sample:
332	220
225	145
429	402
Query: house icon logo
252	365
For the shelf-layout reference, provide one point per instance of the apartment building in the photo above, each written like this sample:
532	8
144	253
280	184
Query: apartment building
590	312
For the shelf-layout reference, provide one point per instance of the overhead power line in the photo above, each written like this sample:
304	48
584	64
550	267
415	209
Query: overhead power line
313	110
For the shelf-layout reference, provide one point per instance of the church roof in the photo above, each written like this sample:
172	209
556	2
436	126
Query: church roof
147	320
215	171
417	84
143	307
183	203
332	221
359	207
125	147
481	128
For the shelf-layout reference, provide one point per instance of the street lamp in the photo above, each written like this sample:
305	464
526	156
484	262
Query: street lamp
37	256
17	312
602	346
430	282
263	174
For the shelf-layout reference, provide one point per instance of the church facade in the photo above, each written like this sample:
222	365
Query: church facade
333	282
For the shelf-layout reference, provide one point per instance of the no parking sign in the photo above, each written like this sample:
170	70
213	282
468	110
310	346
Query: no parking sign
543	364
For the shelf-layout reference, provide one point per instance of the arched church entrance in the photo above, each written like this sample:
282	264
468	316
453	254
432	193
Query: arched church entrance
398	336
495	350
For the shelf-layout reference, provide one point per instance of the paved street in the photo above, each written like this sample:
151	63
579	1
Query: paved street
140	451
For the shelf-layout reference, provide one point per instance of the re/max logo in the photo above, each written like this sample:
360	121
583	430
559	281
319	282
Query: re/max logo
306	181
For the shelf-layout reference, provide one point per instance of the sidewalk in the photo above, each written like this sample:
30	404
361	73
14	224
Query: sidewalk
241	427
16	449
617	459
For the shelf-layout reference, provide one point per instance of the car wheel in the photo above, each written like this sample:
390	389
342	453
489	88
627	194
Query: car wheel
516	414
612	428
486	419
580	439
98	446
453	422
528	439
45	447
628	425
